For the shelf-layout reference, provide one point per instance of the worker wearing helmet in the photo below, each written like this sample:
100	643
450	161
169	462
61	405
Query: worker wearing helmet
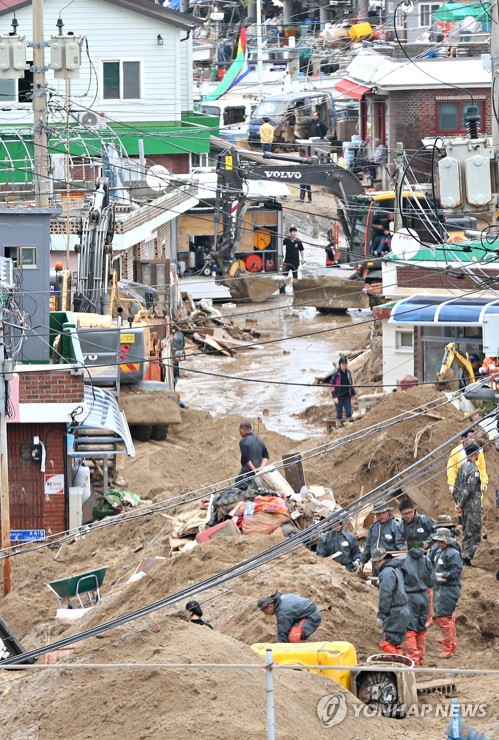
340	545
458	456
385	533
468	498
393	607
448	571
297	617
419	578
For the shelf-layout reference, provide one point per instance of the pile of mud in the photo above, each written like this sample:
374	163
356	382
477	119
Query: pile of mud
201	450
363	464
156	702
160	702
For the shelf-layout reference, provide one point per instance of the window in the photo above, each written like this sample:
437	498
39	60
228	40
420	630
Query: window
399	14
451	115
24	257
121	80
17	91
426	11
403	340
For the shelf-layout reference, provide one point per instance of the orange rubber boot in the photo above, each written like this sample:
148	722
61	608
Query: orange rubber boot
411	647
421	645
388	647
429	620
445	624
454	643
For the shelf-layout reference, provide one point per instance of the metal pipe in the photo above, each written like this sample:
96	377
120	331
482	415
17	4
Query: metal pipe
269	663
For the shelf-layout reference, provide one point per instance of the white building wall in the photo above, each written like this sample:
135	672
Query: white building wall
187	83
398	355
113	34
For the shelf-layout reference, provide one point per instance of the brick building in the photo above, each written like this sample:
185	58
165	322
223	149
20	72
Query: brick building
43	402
409	101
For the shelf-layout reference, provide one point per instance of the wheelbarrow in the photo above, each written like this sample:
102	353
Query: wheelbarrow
84	585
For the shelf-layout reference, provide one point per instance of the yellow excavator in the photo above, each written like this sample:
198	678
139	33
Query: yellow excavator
447	379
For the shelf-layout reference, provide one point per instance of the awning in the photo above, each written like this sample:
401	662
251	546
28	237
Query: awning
102	412
352	89
425	310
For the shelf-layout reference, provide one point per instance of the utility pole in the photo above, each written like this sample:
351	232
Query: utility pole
4	466
494	55
259	61
399	159
40	138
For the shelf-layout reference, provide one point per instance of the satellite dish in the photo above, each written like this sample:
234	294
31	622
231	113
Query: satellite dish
408	7
158	177
405	243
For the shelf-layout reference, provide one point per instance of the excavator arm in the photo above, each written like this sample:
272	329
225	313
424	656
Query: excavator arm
446	379
230	199
94	253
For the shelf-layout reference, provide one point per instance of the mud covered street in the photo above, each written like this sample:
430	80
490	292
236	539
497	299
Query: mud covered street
297	359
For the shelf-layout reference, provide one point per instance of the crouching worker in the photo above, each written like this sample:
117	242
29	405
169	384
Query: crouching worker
297	617
393	609
341	546
448	570
418	581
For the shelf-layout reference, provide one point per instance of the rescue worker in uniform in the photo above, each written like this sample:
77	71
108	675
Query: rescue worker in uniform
458	456
340	545
468	497
297	617
419	578
448	571
443	521
384	533
416	528
393	608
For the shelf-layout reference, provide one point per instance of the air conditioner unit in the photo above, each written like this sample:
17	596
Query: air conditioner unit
91	119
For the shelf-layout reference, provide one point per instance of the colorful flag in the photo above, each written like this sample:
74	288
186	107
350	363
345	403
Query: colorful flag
236	72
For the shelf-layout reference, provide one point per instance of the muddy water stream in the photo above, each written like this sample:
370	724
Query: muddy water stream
301	357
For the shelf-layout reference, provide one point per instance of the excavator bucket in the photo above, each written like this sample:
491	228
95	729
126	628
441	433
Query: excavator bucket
447	380
256	288
330	294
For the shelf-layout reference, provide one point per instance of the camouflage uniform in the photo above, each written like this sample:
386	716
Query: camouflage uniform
467	494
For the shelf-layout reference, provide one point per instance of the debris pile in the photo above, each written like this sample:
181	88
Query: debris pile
205	327
268	505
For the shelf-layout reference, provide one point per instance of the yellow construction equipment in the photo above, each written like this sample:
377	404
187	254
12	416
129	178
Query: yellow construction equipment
446	377
327	654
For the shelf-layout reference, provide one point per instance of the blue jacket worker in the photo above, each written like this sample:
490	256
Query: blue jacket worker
393	607
254	453
297	617
419	578
416	528
385	533
341	546
342	391
448	571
